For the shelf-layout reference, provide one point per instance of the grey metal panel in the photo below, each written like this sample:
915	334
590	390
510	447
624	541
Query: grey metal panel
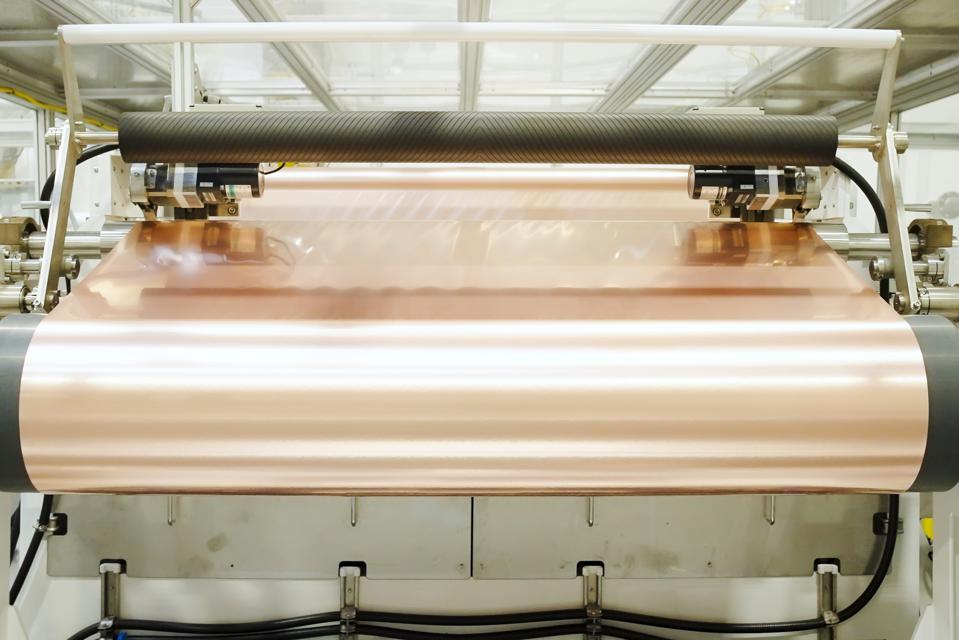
302	537
673	536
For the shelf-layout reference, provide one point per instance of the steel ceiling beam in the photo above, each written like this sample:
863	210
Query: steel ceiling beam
294	54
656	61
868	16
471	53
49	93
84	12
918	87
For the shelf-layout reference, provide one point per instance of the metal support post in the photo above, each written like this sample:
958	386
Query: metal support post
184	82
593	600
887	85
890	190
349	600
45	296
110	572
827	574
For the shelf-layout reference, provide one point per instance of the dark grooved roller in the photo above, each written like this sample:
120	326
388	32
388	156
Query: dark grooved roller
462	136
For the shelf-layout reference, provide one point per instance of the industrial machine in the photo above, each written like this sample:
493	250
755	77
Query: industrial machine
252	424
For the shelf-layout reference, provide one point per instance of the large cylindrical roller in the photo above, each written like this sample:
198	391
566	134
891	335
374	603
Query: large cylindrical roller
472	136
472	358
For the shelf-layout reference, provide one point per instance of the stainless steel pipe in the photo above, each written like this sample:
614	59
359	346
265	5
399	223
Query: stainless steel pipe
83	244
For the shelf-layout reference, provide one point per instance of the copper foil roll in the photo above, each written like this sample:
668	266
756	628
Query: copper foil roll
458	357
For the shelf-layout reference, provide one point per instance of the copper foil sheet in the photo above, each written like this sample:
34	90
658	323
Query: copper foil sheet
476	193
465	357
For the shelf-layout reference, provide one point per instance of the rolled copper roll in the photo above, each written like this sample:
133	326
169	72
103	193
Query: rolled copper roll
471	358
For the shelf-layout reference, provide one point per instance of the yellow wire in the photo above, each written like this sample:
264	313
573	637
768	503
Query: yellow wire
26	97
927	527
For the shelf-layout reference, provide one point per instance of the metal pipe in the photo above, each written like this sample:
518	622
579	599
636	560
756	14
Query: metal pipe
939	301
83	244
96	137
722	35
12	299
478	178
858	246
870	142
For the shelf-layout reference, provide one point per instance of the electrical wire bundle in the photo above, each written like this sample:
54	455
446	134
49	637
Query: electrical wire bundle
567	621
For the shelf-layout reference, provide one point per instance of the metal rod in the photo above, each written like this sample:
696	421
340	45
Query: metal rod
890	187
590	511
45	297
722	35
83	244
858	141
866	141
96	137
827	601
887	86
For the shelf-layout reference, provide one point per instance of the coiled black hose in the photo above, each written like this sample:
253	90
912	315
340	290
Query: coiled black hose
31	553
875	201
47	190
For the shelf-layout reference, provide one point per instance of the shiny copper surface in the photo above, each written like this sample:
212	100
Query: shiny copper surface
501	357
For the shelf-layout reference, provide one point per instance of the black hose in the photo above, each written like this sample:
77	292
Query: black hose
882	568
479	620
228	627
291	634
875	201
285	629
31	553
47	190
529	633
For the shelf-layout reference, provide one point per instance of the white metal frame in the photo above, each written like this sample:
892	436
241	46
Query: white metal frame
182	33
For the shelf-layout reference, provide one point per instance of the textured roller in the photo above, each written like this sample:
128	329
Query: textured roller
456	136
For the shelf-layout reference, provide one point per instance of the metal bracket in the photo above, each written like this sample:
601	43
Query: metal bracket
900	249
110	572
45	296
49	528
827	573
349	600
593	599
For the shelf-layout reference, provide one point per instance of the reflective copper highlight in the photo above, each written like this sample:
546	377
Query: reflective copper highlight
523	357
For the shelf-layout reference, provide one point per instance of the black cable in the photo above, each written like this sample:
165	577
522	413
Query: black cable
875	201
31	553
882	568
227	627
271	171
14	530
480	620
529	633
47	190
291	634
285	629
